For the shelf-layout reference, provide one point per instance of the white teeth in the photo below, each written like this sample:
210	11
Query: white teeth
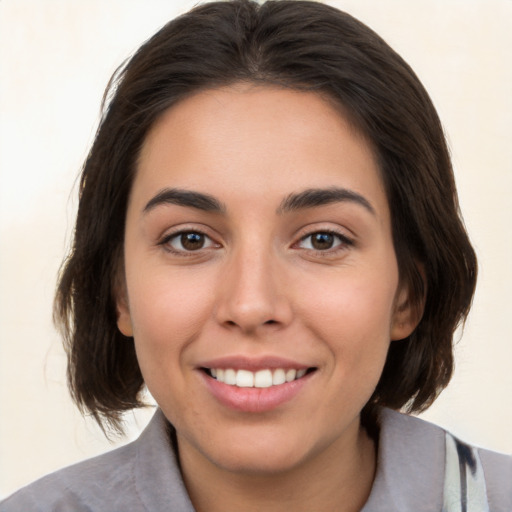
301	373
278	377
230	377
260	379
290	375
244	379
263	379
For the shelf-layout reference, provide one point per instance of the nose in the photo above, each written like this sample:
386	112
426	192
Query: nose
252	296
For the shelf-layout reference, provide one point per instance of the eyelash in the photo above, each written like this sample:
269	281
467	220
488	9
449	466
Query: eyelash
343	242
166	242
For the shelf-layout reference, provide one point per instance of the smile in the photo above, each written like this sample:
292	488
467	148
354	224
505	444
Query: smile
265	378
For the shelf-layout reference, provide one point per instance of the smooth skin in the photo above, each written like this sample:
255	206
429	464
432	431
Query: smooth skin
253	276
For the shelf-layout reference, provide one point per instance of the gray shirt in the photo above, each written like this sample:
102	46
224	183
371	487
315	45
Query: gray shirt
144	475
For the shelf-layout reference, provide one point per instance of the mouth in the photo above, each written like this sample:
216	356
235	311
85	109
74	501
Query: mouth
263	378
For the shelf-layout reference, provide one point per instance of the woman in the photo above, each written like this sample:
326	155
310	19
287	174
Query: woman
268	238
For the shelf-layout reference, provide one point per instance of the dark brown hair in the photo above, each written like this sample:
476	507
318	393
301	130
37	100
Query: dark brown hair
300	45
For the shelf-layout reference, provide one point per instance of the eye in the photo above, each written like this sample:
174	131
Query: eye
323	241
188	241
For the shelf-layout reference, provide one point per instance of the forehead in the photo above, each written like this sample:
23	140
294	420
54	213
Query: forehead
257	138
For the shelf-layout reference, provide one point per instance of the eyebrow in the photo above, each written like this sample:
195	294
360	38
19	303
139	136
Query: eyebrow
313	197
309	198
188	198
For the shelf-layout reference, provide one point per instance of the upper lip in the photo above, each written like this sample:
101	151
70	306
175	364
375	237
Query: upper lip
254	363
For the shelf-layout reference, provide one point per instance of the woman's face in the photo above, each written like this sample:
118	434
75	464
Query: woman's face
258	249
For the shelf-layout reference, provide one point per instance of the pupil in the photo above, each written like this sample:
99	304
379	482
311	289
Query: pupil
322	240
192	241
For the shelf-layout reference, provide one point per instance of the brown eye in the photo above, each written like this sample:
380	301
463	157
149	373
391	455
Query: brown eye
188	241
192	241
322	241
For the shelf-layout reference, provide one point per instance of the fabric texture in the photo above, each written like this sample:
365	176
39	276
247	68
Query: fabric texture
144	475
465	489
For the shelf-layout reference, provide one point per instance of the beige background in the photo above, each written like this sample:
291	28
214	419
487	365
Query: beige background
55	59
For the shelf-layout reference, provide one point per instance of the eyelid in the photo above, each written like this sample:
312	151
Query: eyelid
165	240
344	241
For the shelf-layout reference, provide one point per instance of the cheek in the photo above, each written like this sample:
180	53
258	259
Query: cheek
168	311
352	314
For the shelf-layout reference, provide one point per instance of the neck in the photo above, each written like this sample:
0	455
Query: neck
339	478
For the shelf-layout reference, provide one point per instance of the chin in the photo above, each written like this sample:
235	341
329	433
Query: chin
258	462
255	451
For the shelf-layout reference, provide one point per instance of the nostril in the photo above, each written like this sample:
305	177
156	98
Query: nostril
248	326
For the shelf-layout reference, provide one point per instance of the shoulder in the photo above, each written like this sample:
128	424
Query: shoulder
410	464
77	487
497	469
415	457
140	476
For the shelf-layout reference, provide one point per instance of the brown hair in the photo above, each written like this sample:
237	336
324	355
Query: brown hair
297	44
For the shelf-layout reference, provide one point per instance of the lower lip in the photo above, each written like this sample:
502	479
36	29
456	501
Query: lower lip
255	399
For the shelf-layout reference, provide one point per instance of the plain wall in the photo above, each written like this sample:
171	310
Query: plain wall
56	57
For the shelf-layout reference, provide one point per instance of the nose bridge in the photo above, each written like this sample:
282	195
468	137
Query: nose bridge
252	295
